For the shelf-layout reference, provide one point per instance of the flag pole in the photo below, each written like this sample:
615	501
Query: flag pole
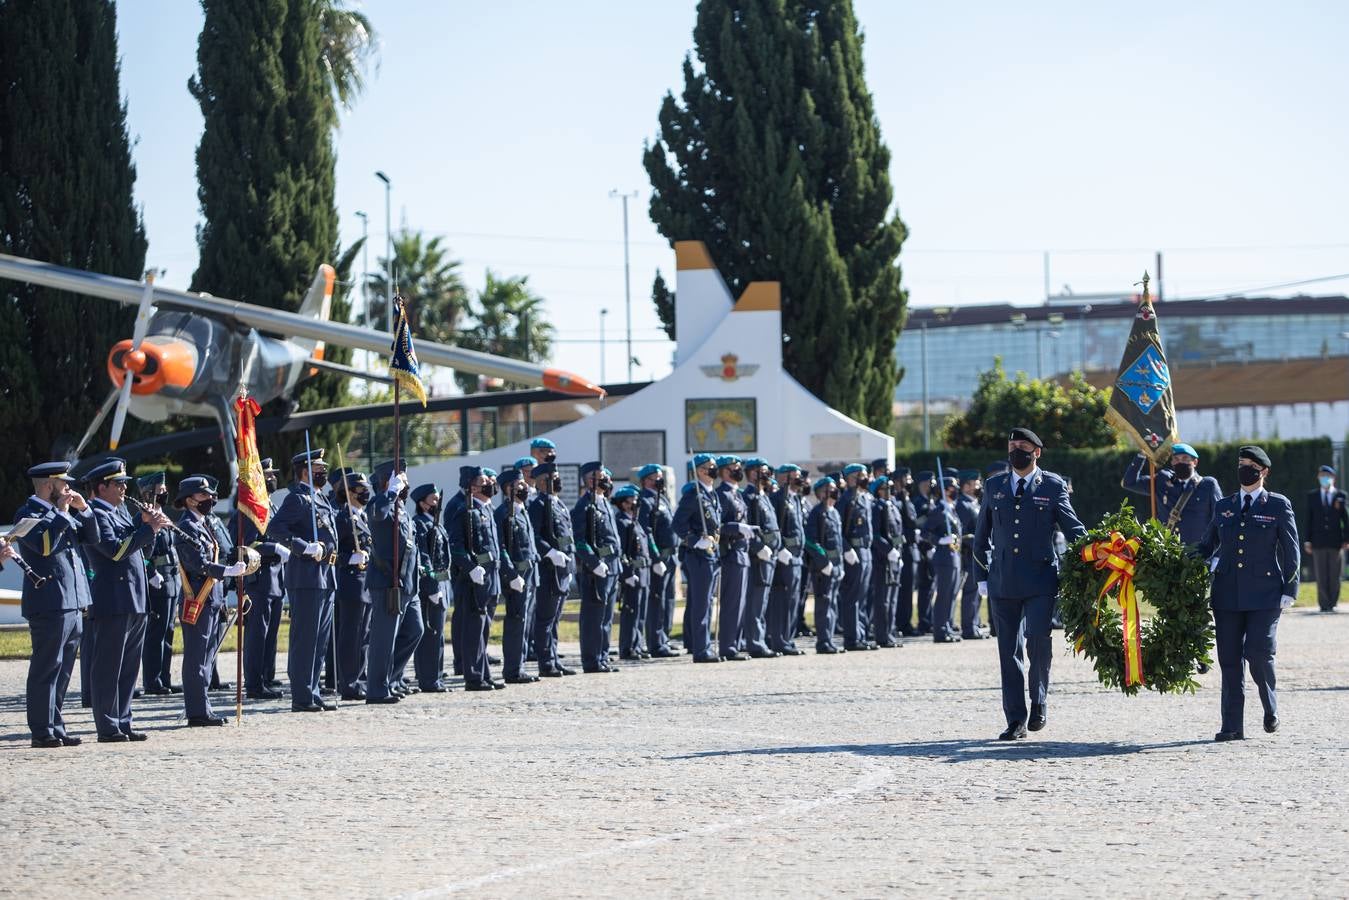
395	600
239	582
1152	459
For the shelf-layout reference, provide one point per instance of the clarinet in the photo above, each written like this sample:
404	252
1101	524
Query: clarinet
140	509
38	580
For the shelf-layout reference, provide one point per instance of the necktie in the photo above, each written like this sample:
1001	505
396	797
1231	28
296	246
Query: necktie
1020	487
1245	504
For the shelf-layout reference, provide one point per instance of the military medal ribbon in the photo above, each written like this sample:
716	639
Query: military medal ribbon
1118	558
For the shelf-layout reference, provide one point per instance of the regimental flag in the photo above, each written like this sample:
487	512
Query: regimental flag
403	362
252	500
1142	404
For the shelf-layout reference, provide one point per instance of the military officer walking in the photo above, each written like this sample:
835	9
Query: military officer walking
887	550
1327	537
391	580
553	539
1252	543
477	580
265	591
519	563
697	523
1185	501
164	588
785	594
1021	575
433	570
593	523
656	516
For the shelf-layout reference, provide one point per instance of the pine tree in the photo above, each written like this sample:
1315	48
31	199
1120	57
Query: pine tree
773	157
66	196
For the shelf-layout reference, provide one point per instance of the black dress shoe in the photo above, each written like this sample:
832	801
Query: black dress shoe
178	688
1271	724
267	694
359	695
607	669
327	706
493	659
737	656
159	692
771	654
204	721
980	635
707	659
667	653
474	686
946	638
828	648
521	679
314	708
1038	719
411	689
550	673
908	632
381	701
629	657
137	694
497	685
327	692
565	671
136	736
272	683
435	689
223	686
1015	732
69	740
117	738
642	654
1224	736
49	743
888	645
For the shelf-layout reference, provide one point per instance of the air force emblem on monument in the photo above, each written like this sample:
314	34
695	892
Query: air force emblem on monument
730	369
1146	380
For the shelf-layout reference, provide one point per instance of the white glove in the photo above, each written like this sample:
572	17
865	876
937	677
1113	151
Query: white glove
1286	601
631	581
658	568
601	570
1213	564
557	558
850	556
944	541
234	570
746	529
478	575
283	552
399	482
704	543
517	584
785	557
983	589
313	549
893	555
434	598
359	558
764	554
157	581
828	569
929	554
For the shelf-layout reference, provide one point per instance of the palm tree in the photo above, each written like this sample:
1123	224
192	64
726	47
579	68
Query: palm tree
509	322
430	283
350	45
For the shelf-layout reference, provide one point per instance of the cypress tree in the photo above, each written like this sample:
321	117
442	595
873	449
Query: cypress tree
773	157
66	183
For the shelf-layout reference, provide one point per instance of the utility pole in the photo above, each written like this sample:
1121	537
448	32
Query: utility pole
364	317
388	249
627	274
927	434
603	313
1046	276
1159	276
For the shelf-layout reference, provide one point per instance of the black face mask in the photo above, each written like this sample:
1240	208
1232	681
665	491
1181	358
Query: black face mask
205	506
362	496
489	489
1248	475
522	492
320	479
271	484
833	493
1020	459
737	475
1184	470
658	484
550	456
556	484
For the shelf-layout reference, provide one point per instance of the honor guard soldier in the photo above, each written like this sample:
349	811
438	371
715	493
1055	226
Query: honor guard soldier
525	466
785	595
941	533
305	524
1185	501
543	450
164	589
204	571
553	539
353	609
265	591
887	562
55	596
763	549
924	490
901	495
1327	536
1020	575
824	551
391	580
433	570
118	598
274	615
697	523
634	574
855	515
477	582
519	564
1253	550
735	534
656	516
967	510
593	523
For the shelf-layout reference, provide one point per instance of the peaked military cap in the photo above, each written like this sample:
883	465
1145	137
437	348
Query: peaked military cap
268	468
304	458
508	477
110	470
421	492
1326	470
59	469
152	481
193	484
384	471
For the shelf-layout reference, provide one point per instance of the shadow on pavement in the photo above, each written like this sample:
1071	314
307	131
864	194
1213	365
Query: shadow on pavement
960	750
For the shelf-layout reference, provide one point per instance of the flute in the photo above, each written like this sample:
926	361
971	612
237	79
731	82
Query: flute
38	580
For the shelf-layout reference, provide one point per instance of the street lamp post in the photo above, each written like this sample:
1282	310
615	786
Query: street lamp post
364	317
603	313
627	276
388	249
922	345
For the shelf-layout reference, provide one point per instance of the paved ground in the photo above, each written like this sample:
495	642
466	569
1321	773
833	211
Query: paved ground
861	775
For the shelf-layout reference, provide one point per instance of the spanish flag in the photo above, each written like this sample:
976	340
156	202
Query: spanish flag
403	362
252	500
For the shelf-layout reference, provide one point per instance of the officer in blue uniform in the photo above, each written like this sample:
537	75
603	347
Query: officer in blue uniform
1326	537
519	564
353	607
474	558
924	489
525	466
824	552
1185	501
1253	550
785	594
656	516
854	510
433	571
204	570
412	629
542	451
163	589
735	534
967	510
306	524
118	598
697	524
265	591
556	547
274	615
901	492
634	573
391	580
887	562
55	606
763	549
941	540
593	523
1020	575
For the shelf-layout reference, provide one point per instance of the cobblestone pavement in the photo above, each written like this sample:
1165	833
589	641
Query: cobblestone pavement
863	775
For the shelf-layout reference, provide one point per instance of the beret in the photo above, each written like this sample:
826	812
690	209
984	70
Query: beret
878	483
542	444
647	471
729	459
508	477
526	461
1254	453
703	459
421	492
824	482
853	468
489	471
787	467
1185	448
592	466
1025	434
626	490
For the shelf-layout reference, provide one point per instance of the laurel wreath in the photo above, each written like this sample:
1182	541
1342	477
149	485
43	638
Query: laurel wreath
1177	637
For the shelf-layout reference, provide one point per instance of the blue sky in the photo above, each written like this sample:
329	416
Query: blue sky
1214	132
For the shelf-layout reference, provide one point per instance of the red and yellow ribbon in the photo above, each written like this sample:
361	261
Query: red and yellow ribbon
1117	557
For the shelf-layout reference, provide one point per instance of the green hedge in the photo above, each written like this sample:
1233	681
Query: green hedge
1096	474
